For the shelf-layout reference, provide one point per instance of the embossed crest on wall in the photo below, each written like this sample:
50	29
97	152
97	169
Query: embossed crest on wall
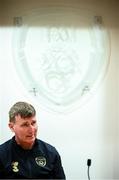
60	56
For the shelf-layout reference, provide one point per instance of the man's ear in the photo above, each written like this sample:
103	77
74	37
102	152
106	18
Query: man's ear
11	126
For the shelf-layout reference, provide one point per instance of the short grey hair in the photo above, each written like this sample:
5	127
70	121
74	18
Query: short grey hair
23	109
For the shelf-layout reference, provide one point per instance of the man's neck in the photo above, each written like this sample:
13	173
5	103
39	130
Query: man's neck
24	145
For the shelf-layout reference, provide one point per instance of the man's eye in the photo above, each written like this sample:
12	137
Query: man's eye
33	123
24	125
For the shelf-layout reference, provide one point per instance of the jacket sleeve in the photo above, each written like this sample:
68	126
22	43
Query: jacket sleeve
2	171
58	171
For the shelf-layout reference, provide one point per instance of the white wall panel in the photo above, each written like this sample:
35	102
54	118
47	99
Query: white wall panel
87	131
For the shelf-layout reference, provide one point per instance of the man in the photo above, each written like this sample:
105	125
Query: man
25	156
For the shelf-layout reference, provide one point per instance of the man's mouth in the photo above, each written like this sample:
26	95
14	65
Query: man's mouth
30	136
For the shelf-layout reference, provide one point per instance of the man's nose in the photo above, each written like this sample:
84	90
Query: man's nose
31	127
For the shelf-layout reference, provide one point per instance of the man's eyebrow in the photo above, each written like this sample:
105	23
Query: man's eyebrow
24	123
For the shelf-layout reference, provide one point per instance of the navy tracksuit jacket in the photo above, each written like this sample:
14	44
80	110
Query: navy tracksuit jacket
42	161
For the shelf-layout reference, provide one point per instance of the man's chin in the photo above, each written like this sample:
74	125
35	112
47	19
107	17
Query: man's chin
30	140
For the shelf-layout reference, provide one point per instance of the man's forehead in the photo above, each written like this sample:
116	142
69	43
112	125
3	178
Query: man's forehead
22	119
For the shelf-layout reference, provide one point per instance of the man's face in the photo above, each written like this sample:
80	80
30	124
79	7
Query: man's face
25	130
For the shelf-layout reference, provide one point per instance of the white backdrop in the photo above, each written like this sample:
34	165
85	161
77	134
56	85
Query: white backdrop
89	131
